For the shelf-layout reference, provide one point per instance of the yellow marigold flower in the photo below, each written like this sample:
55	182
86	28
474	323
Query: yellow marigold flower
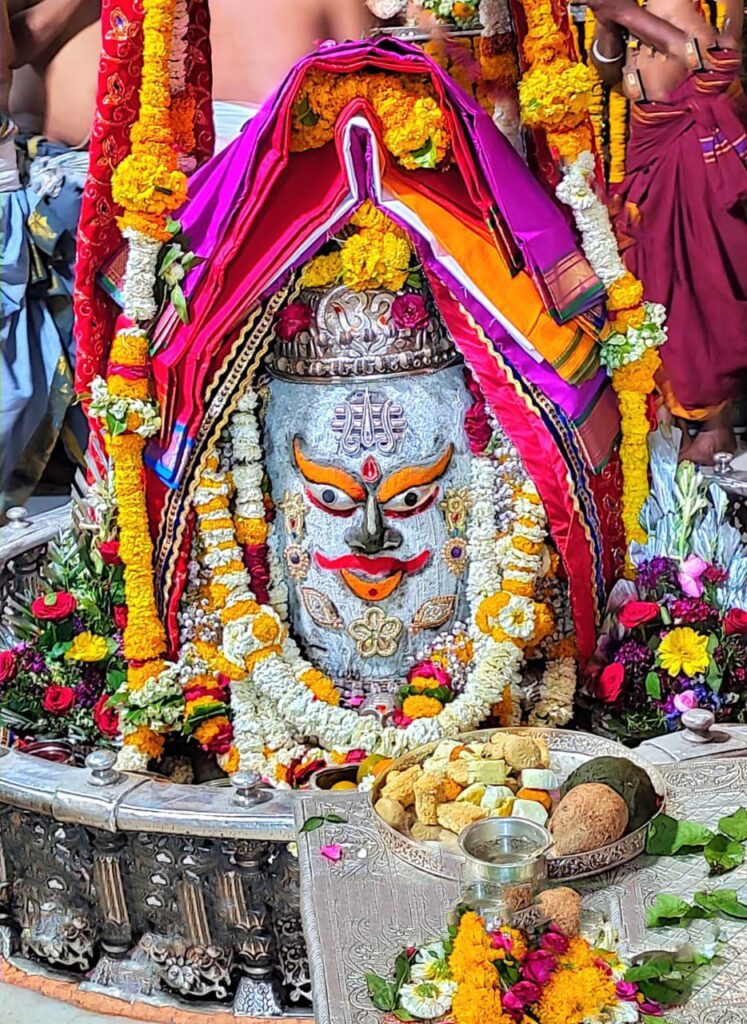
231	762
321	686
88	647
375	259
130	349
265	628
475	1005
239	609
251	531
625	293
146	741
576	995
322	271
626	318
138	675
369	216
418	706
684	650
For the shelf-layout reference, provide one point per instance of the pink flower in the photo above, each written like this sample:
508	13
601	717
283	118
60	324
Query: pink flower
610	683
538	966
689	575
427	670
400	719
409	312
499	940
332	851
477	428
635	613
652	1009
685	701
355	702
554	942
520	995
355	756
626	990
294	318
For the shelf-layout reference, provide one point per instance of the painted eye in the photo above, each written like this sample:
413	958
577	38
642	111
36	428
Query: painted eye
414	499
331	498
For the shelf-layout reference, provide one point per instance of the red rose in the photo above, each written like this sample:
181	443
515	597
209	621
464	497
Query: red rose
119	614
54	606
257	563
7	666
735	621
105	718
294	318
109	551
635	613
409	312
58	699
477	428
610	682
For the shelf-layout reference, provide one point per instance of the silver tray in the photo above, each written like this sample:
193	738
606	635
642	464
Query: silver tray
568	750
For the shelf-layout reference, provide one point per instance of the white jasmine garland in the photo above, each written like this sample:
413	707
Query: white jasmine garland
140	275
105	405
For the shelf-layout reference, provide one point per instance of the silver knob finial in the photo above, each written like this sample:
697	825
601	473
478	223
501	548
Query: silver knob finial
18	517
698	724
101	764
722	463
246	788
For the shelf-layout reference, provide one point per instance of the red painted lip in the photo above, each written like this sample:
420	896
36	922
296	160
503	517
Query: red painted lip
381	565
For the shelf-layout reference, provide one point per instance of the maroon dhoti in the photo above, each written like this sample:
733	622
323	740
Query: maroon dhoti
682	224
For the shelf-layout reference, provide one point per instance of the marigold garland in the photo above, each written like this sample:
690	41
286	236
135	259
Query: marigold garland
618	128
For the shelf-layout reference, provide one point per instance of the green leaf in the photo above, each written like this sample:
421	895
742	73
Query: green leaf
666	618
403	1015
172	253
173	226
712	643
722	901
653	685
667	993
723	854
425	156
647	1018
735	825
656	966
114	425
381	992
180	303
414	279
312	824
714	676
667	836
667	909
335	819
60	649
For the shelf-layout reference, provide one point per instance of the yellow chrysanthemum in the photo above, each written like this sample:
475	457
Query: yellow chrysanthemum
375	259
576	995
684	650
88	647
322	271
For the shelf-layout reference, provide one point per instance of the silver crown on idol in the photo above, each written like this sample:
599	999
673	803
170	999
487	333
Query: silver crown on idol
358	334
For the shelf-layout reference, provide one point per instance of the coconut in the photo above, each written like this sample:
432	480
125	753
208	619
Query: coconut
561	906
626	778
590	816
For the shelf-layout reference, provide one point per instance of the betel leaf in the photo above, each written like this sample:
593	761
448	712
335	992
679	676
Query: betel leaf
653	685
668	836
335	819
668	992
656	966
312	824
722	901
381	992
115	425
425	156
723	854
666	909
735	825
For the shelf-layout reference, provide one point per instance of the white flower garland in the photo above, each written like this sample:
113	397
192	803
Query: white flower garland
274	708
105	406
598	241
140	275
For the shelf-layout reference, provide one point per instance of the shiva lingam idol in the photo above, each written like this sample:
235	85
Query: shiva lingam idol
369	466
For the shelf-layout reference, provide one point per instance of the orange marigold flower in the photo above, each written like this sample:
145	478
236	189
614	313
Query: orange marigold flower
146	741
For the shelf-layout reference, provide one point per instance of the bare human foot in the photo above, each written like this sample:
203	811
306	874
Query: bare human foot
716	435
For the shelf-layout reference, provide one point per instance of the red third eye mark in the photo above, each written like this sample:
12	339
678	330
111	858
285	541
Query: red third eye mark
370	470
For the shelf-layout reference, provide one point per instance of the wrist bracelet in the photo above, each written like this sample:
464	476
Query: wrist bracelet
600	56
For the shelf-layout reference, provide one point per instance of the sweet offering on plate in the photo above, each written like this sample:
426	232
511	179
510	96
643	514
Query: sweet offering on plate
510	775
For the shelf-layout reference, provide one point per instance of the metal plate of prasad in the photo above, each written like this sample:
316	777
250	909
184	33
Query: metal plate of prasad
568	750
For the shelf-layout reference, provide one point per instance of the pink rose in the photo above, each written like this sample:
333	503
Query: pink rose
520	995
554	942
610	682
636	613
735	621
538	966
626	990
54	606
399	719
294	318
105	718
409	312
427	670
7	666
685	701
355	756
109	551
58	699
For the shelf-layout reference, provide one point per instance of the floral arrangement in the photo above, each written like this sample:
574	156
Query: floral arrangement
498	974
377	254
414	126
677	638
56	682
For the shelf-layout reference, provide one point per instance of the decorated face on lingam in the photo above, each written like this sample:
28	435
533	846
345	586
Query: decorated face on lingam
369	469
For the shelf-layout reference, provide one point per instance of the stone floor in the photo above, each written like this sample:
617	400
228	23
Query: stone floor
17	1006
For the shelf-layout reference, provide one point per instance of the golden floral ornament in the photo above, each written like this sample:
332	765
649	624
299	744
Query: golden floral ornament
297	561
455	506
376	634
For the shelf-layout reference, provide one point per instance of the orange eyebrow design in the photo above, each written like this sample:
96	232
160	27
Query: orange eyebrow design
414	476
315	473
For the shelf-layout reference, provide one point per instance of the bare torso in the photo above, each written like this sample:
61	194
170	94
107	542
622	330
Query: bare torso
662	74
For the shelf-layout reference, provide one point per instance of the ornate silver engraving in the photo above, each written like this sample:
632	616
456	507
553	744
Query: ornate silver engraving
369	420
